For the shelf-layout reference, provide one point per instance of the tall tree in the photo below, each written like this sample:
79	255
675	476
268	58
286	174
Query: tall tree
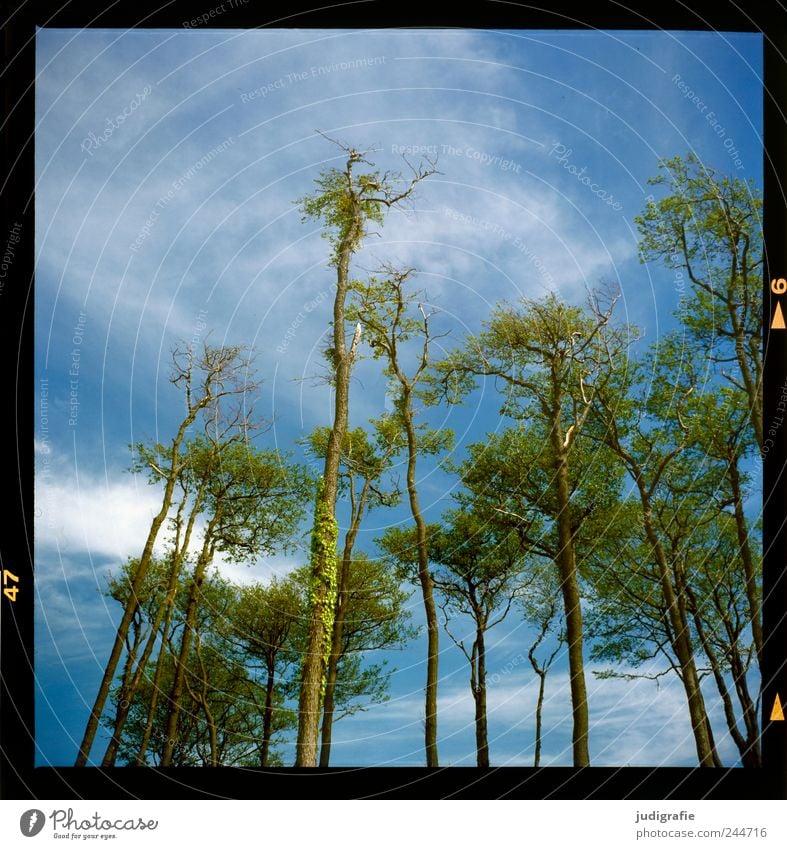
551	359
650	439
265	625
191	487
254	503
347	202
477	569
541	607
364	462
703	548
182	535
151	601
221	714
374	619
710	538
209	378
710	226
384	308
718	420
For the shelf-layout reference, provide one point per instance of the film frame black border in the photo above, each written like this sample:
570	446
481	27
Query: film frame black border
19	778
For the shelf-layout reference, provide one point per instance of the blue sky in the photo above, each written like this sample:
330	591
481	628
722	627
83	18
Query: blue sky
167	163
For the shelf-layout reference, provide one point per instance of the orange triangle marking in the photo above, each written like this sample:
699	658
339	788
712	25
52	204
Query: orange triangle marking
778	322
777	712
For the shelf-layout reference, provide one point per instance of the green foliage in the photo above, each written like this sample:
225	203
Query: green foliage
540	601
267	621
257	496
708	230
545	356
376	615
364	457
376	619
359	685
509	480
478	565
706	221
153	586
219	671
397	329
343	199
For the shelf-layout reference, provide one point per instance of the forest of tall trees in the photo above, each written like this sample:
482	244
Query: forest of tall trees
610	511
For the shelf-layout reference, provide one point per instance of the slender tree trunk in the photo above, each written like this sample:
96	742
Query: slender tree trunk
156	684
126	696
165	608
329	704
323	563
542	678
682	597
202	700
427	585
751	383
752	594
128	614
567	568
479	692
172	591
680	637
123	703
181	661
214	750
136	586
542	675
749	754
750	757
267	717
328	710
709	728
333	665
338	622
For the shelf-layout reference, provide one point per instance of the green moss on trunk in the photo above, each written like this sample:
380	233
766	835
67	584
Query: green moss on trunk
323	589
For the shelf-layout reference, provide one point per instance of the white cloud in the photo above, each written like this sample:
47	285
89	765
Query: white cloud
83	519
78	511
